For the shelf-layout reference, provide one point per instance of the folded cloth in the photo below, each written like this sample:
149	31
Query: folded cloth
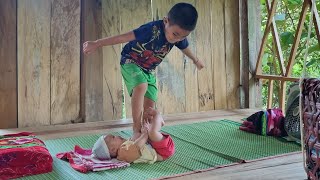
268	123
23	154
83	160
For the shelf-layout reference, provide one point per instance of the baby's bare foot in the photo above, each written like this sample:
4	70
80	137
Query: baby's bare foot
162	123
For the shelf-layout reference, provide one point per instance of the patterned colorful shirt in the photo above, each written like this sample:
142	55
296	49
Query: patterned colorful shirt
150	46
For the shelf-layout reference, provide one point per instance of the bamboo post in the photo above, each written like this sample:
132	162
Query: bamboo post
265	35
276	40
306	3
270	92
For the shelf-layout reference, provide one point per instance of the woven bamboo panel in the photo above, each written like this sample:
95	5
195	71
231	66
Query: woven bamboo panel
311	111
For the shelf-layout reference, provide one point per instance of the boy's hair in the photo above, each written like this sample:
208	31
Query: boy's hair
184	15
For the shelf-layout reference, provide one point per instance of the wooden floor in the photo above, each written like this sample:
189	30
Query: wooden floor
284	167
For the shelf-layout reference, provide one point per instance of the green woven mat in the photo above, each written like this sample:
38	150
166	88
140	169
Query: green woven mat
198	146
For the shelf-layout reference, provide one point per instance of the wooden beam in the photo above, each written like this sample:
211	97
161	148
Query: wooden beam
244	53
276	40
294	48
232	55
270	93
282	96
254	33
275	77
265	35
103	125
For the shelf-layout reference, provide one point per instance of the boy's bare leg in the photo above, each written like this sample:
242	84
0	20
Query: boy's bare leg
156	122
137	101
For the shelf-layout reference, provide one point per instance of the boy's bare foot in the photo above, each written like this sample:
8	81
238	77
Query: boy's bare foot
160	118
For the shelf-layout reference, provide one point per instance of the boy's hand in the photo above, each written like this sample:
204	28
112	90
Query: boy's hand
199	64
89	47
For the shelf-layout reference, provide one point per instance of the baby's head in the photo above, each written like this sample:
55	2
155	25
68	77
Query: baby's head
181	20
106	147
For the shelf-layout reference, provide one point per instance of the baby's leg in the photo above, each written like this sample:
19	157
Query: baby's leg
137	101
156	122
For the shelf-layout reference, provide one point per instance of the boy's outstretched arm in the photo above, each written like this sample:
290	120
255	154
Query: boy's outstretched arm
195	60
90	46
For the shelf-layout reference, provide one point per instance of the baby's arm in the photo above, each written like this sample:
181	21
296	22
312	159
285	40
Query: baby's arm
195	60
142	140
90	46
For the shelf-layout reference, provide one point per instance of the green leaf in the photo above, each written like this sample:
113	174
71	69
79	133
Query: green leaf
265	59
310	63
294	2
304	34
287	38
314	48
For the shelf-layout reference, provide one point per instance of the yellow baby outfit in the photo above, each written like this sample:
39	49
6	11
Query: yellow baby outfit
130	152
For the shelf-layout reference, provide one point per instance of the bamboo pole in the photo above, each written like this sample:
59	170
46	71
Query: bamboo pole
276	40
294	48
270	92
265	35
275	77
282	98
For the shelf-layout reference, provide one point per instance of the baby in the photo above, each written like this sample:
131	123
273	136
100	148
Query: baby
159	148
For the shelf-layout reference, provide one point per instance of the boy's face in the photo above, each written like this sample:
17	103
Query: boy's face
113	143
173	32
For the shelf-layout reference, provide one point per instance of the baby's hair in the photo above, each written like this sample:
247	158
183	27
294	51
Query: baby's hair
184	15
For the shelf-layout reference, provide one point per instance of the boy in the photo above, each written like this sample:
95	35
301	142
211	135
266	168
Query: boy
162	146
147	46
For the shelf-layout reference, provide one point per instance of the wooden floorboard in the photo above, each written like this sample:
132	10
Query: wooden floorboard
279	168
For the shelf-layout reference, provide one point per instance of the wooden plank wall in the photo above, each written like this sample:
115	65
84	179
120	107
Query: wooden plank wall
54	79
170	73
8	64
112	86
204	47
142	10
65	61
48	62
92	69
232	48
33	62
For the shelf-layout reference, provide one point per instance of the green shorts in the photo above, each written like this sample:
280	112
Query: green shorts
133	75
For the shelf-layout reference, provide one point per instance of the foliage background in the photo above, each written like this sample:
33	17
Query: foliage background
287	18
